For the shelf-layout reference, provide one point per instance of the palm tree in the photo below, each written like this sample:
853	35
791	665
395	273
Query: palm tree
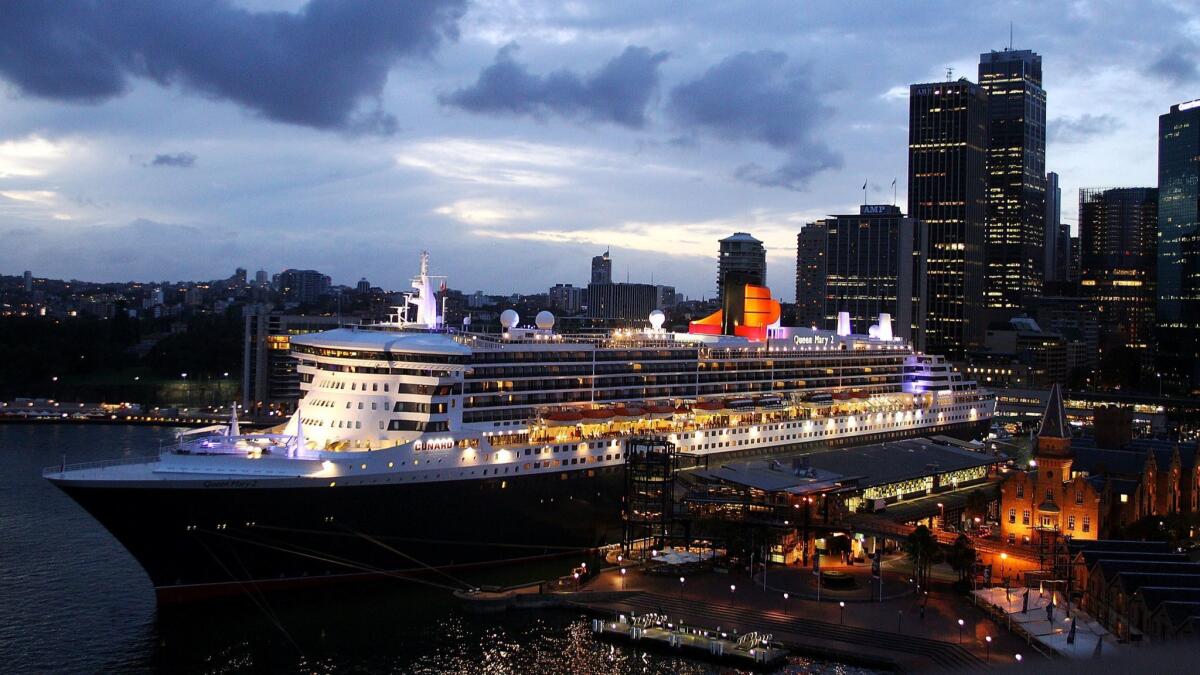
923	550
961	556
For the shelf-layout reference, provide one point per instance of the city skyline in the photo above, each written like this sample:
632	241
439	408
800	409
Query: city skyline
112	178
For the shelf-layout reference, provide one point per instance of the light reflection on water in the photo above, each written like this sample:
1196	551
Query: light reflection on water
72	600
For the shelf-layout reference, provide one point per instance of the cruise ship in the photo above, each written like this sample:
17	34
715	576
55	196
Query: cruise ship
417	448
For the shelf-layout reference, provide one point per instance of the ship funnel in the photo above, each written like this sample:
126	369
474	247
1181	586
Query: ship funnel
234	428
885	326
843	324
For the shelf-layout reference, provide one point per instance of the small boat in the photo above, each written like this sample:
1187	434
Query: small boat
739	404
706	407
563	418
598	415
629	414
660	412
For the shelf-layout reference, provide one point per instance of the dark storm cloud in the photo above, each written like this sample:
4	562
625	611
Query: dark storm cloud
182	160
1082	128
314	67
618	92
757	97
1178	64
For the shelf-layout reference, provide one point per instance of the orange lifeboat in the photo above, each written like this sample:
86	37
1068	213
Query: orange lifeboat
598	415
706	407
563	418
660	412
841	396
629	414
861	394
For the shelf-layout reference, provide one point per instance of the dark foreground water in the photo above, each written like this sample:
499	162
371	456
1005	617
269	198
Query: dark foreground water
73	601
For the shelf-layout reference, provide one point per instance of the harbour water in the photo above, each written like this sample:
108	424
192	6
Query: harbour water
72	600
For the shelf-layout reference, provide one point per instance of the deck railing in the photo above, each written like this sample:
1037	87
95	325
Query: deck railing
101	464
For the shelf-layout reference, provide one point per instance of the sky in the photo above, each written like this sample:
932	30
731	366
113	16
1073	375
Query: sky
156	140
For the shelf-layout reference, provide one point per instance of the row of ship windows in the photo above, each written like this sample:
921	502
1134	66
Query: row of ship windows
392	425
401	387
400	406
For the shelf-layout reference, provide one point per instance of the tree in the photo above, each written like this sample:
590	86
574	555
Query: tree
923	550
977	503
961	556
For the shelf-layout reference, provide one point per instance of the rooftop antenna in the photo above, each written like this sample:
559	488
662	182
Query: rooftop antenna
950	73
1010	36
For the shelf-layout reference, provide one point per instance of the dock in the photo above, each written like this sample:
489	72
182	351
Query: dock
753	650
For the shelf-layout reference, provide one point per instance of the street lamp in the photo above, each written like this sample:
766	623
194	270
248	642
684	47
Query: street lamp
960	629
680	588
942	508
622	578
785	599
842	612
988	643
732	588
1017	657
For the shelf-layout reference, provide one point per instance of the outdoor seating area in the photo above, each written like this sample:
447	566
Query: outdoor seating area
1041	617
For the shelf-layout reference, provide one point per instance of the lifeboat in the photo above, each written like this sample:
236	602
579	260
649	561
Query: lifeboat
563	418
739	404
660	412
708	407
629	414
598	415
769	401
861	394
841	396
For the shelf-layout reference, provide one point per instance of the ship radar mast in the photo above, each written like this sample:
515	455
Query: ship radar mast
425	297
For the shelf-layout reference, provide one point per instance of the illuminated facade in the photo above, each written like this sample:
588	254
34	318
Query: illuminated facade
947	144
1016	179
1118	241
868	263
1046	498
810	274
1179	246
269	377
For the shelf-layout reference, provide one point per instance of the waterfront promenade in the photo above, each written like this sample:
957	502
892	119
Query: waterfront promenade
907	631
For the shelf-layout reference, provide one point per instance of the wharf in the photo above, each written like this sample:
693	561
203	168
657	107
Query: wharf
752	650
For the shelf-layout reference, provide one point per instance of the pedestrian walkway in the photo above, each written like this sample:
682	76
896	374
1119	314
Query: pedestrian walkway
911	635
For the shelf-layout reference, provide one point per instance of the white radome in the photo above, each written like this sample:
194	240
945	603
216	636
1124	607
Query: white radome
657	319
544	320
509	318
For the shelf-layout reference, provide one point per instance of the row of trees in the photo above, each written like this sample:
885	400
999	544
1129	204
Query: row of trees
924	551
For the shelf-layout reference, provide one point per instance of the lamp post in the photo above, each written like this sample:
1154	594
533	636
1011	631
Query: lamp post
681	588
899	616
1017	657
987	641
842	612
785	599
732	588
942	509
622	578
960	630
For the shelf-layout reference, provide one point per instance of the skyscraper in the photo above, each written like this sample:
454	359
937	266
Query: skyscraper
810	274
1014	247
1178	308
1117	237
869	263
744	254
602	269
303	286
947	141
1057	258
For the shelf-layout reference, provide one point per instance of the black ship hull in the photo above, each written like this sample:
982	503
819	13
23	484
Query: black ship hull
226	537
208	541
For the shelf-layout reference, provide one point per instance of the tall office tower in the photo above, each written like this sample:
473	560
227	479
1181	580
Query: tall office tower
1052	232
1016	180
947	143
1117	236
810	275
873	263
27	279
744	254
1179	246
602	269
239	276
261	279
1076	260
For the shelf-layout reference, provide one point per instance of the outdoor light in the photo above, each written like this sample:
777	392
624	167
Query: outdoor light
1018	658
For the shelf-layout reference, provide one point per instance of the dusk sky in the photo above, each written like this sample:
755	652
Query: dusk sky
156	140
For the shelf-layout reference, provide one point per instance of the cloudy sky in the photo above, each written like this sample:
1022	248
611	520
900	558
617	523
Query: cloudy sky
155	139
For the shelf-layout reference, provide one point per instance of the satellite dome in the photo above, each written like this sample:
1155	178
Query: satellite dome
544	320
509	318
657	318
